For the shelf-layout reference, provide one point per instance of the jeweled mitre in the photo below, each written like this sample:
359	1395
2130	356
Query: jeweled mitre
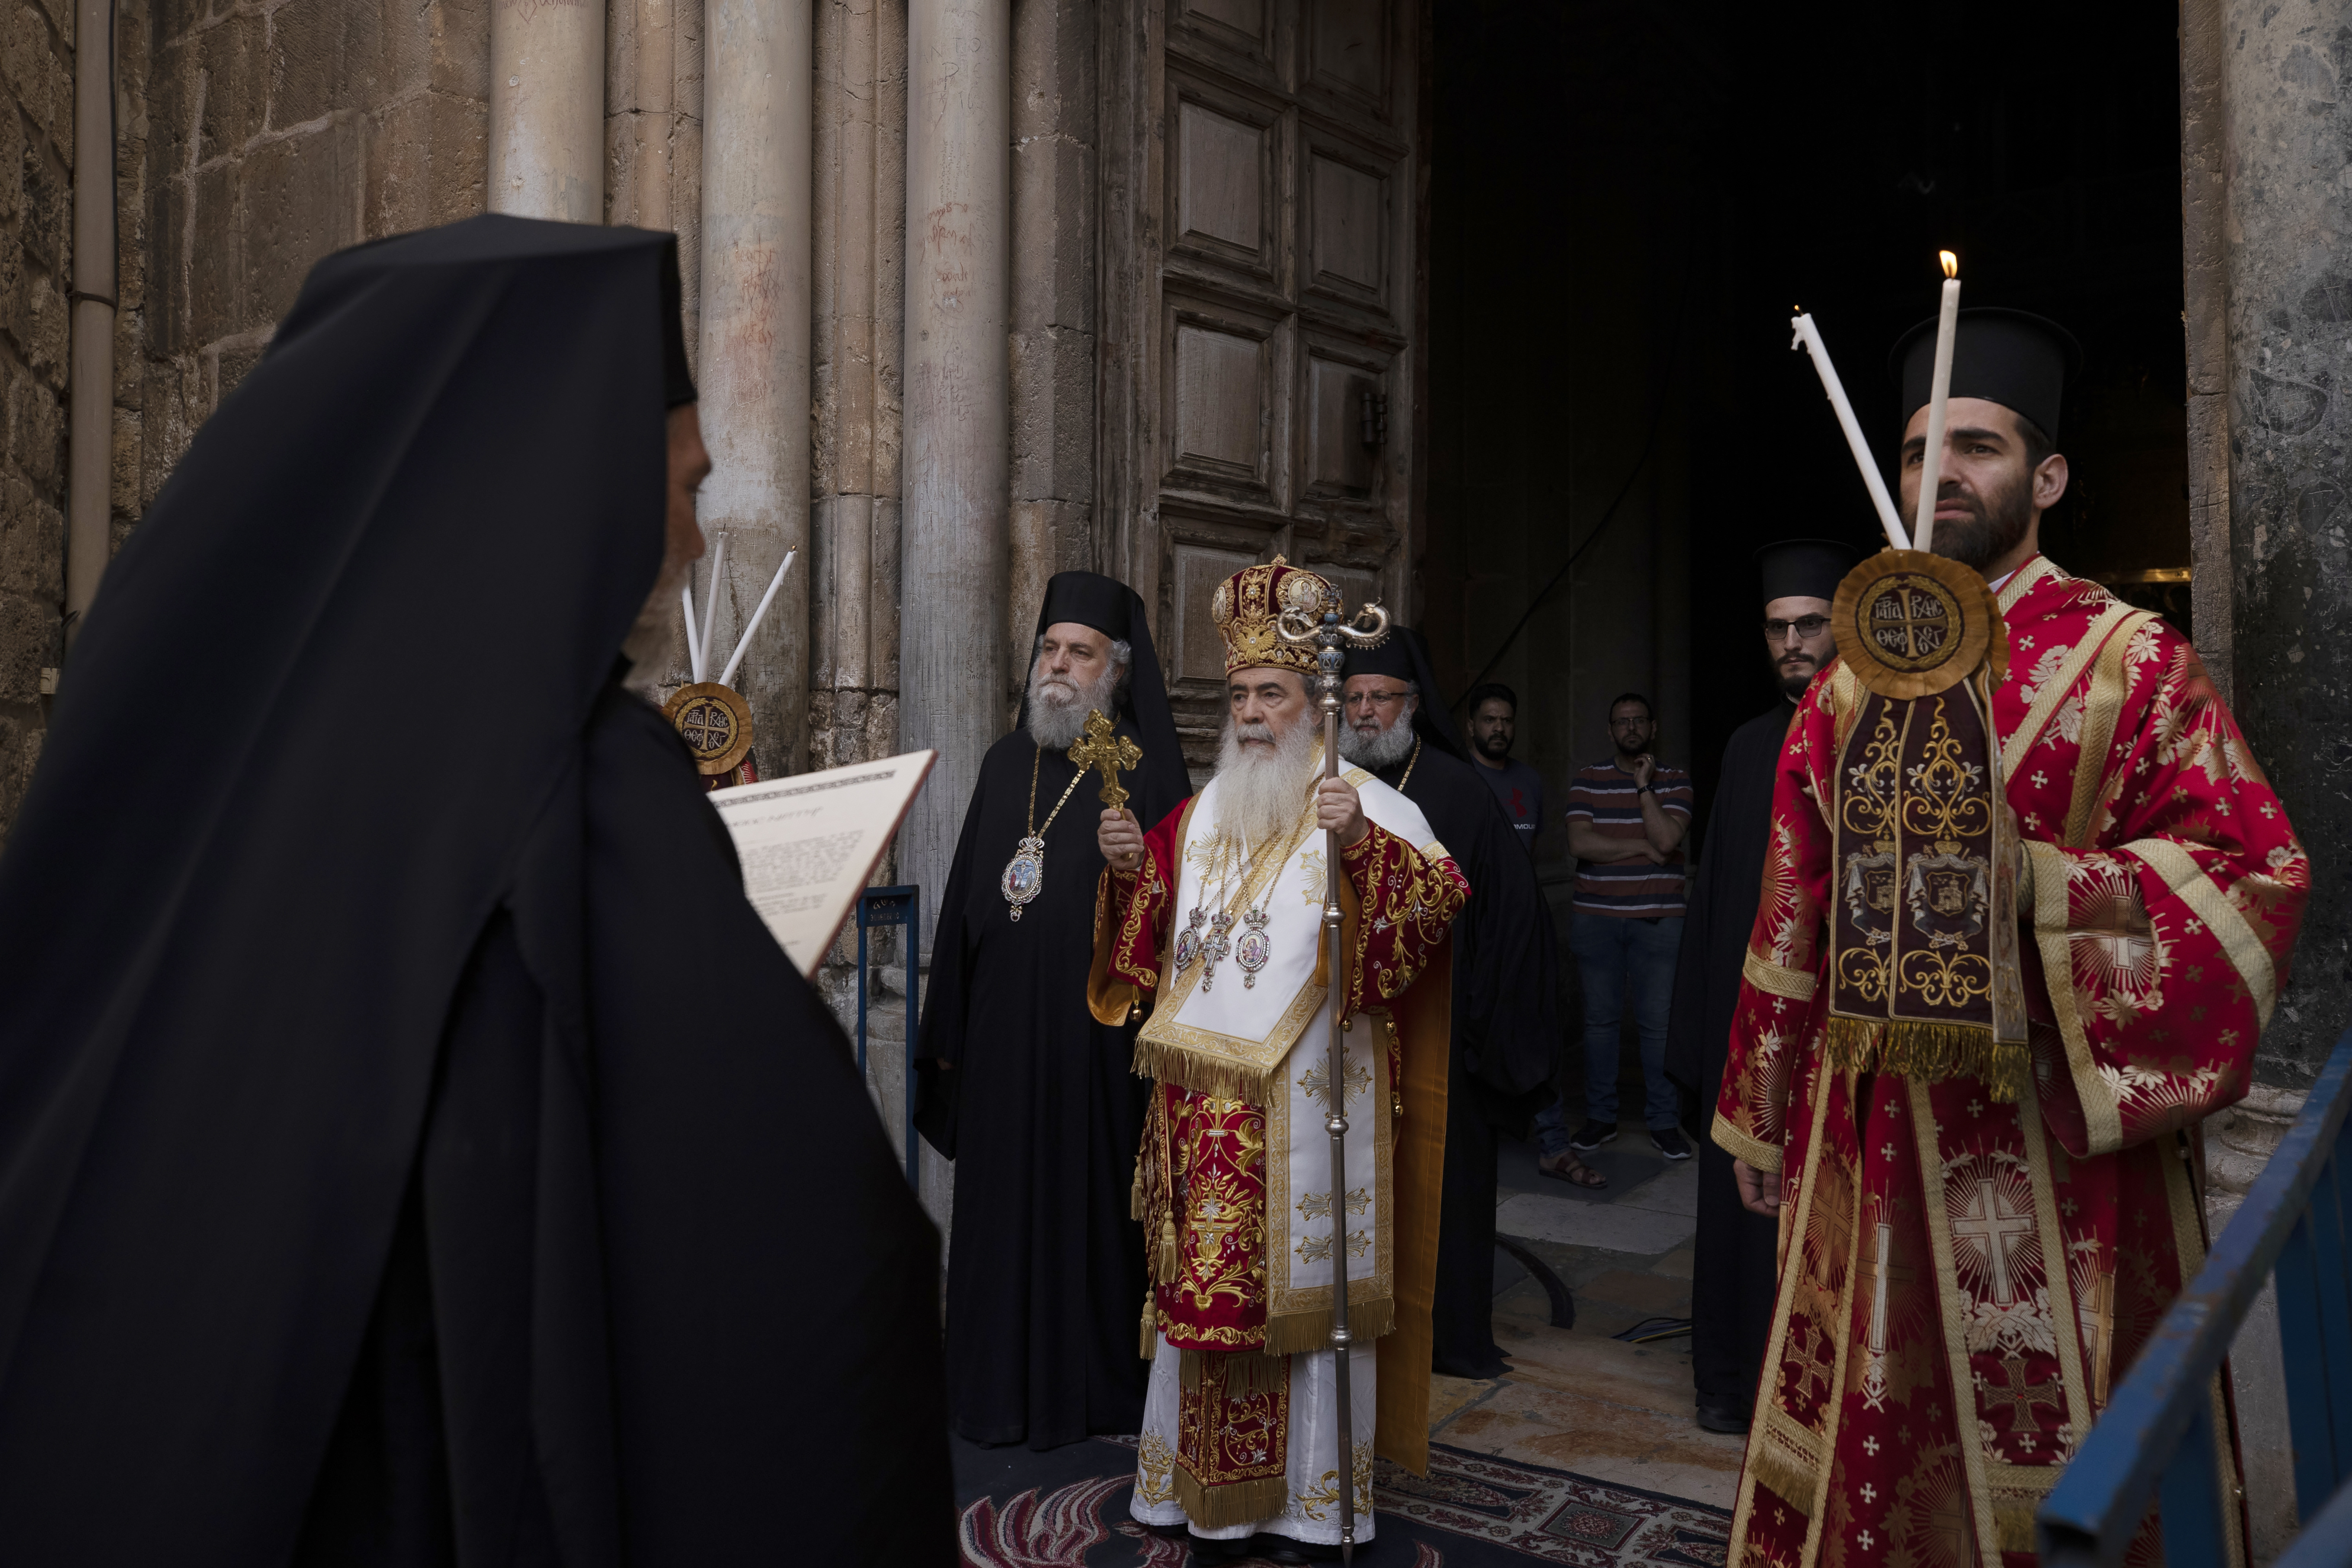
1249	604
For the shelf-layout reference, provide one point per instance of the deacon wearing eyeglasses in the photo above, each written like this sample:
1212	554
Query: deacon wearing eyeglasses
1736	1259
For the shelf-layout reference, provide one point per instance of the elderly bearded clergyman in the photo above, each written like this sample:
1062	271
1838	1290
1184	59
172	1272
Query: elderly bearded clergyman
1213	918
1028	1094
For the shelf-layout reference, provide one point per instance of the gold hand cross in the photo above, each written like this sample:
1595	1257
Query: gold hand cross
1106	749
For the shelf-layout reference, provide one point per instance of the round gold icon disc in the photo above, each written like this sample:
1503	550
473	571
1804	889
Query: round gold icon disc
1909	624
716	723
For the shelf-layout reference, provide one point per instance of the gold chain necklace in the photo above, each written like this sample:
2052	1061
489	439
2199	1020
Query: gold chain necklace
1409	766
1025	874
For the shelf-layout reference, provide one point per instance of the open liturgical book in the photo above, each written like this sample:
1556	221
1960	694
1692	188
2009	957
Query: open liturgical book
809	842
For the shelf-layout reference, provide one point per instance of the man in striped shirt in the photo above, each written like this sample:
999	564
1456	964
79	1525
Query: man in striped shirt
1626	819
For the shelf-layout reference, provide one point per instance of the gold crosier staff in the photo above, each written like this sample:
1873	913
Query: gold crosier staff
1300	629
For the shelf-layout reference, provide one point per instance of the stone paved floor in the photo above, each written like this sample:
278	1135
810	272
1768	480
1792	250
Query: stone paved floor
1577	1399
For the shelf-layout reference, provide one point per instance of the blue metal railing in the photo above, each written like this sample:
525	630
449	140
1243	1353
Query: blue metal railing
881	908
2157	1439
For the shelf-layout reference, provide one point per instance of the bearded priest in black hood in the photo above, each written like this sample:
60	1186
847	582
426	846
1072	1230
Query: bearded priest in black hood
418	1151
1037	1103
1506	963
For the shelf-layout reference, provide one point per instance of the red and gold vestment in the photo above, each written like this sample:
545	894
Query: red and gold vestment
1232	1183
1962	1280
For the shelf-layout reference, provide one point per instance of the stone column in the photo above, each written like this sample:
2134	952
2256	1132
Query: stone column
858	302
2286	123
640	94
953	552
1053	292
546	109
754	367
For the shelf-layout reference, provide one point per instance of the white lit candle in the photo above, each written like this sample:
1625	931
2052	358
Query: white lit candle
1809	338
1931	467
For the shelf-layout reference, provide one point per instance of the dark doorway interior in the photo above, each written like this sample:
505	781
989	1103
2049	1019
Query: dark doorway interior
1626	200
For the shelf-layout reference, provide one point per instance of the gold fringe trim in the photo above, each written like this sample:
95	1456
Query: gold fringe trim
1236	1502
1790	1481
2012	1522
1135	1192
1217	1077
1246	1373
1290	1334
1931	1053
1149	1343
1249	1373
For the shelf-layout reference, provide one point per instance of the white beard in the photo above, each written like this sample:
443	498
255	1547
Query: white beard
1058	707
1380	751
1261	790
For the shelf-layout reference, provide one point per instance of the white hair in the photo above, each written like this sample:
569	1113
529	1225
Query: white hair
1261	789
1388	747
1059	706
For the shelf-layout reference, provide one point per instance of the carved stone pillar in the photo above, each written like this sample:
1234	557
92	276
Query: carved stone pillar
2284	121
547	111
952	637
759	75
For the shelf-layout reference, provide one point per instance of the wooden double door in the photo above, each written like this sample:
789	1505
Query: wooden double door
1261	229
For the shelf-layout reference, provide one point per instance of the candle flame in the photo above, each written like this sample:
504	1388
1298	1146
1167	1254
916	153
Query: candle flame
1951	263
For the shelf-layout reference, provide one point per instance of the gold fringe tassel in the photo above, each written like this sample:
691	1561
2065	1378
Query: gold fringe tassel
1237	1502
1246	1375
1931	1053
1290	1334
1135	1192
1149	1343
1249	1373
1790	1481
1164	1254
1217	1077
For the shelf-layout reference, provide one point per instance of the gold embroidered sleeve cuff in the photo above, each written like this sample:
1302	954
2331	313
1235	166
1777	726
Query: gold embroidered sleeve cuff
1740	1146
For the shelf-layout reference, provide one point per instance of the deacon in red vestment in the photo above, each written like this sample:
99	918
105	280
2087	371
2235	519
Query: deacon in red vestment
1963	1281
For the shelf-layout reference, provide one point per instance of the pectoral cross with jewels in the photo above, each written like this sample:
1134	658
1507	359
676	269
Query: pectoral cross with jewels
1105	748
1214	946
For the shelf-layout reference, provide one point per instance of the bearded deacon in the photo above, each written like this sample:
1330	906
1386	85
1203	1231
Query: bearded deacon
1977	1236
1505	973
1212	921
1021	1086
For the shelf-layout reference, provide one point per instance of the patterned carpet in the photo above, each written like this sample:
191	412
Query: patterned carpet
1068	1508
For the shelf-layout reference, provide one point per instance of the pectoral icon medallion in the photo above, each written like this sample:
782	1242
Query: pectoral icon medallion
1255	947
1025	874
1187	941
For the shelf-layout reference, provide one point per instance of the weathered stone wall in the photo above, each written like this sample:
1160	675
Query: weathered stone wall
37	155
278	133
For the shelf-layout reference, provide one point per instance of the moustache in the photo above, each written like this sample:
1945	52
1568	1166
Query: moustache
1260	732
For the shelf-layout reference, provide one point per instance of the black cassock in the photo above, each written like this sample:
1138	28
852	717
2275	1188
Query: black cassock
1505	1032
1041	1113
417	1151
1735	1257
